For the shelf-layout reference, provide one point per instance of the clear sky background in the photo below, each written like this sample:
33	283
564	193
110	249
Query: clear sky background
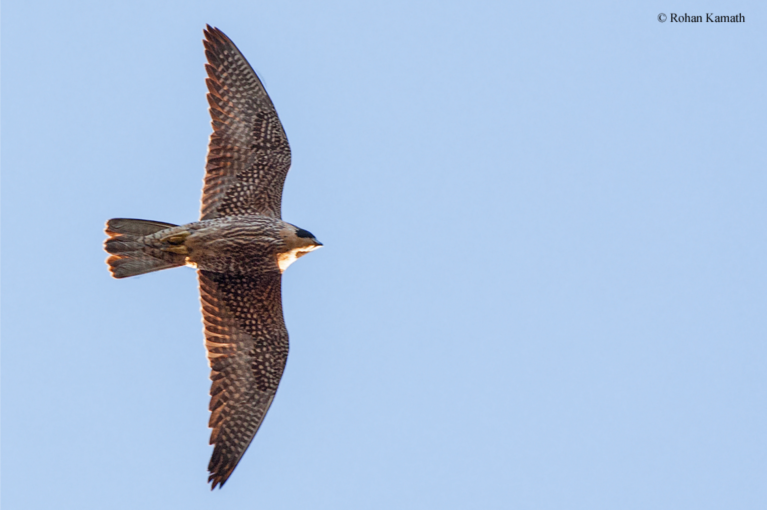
544	279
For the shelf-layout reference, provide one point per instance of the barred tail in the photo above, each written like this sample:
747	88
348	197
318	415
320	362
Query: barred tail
131	255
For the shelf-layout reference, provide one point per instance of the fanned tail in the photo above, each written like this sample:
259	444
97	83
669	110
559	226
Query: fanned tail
130	254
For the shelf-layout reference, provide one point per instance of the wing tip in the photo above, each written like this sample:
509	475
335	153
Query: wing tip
214	35
220	472
218	480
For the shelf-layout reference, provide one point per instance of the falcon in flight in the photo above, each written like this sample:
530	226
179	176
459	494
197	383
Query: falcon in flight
240	248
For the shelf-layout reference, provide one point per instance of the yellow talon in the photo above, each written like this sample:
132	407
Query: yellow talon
177	238
176	242
181	250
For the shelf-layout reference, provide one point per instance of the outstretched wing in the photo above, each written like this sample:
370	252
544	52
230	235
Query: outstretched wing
248	152
247	347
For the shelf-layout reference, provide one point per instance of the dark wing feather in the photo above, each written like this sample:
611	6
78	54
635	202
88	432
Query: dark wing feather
248	152
247	347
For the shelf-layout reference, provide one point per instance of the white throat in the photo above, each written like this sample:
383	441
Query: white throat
285	259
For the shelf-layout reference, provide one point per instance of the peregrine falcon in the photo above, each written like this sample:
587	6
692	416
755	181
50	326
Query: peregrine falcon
240	248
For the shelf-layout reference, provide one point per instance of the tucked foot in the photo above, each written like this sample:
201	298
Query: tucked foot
176	242
176	238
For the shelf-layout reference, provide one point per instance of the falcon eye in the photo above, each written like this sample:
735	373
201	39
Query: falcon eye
303	233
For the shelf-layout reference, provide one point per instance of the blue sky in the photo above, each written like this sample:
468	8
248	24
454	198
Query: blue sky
543	284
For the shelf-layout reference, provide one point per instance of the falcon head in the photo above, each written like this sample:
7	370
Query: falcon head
298	242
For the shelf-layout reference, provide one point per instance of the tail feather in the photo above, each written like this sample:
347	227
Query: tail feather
131	254
135	227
